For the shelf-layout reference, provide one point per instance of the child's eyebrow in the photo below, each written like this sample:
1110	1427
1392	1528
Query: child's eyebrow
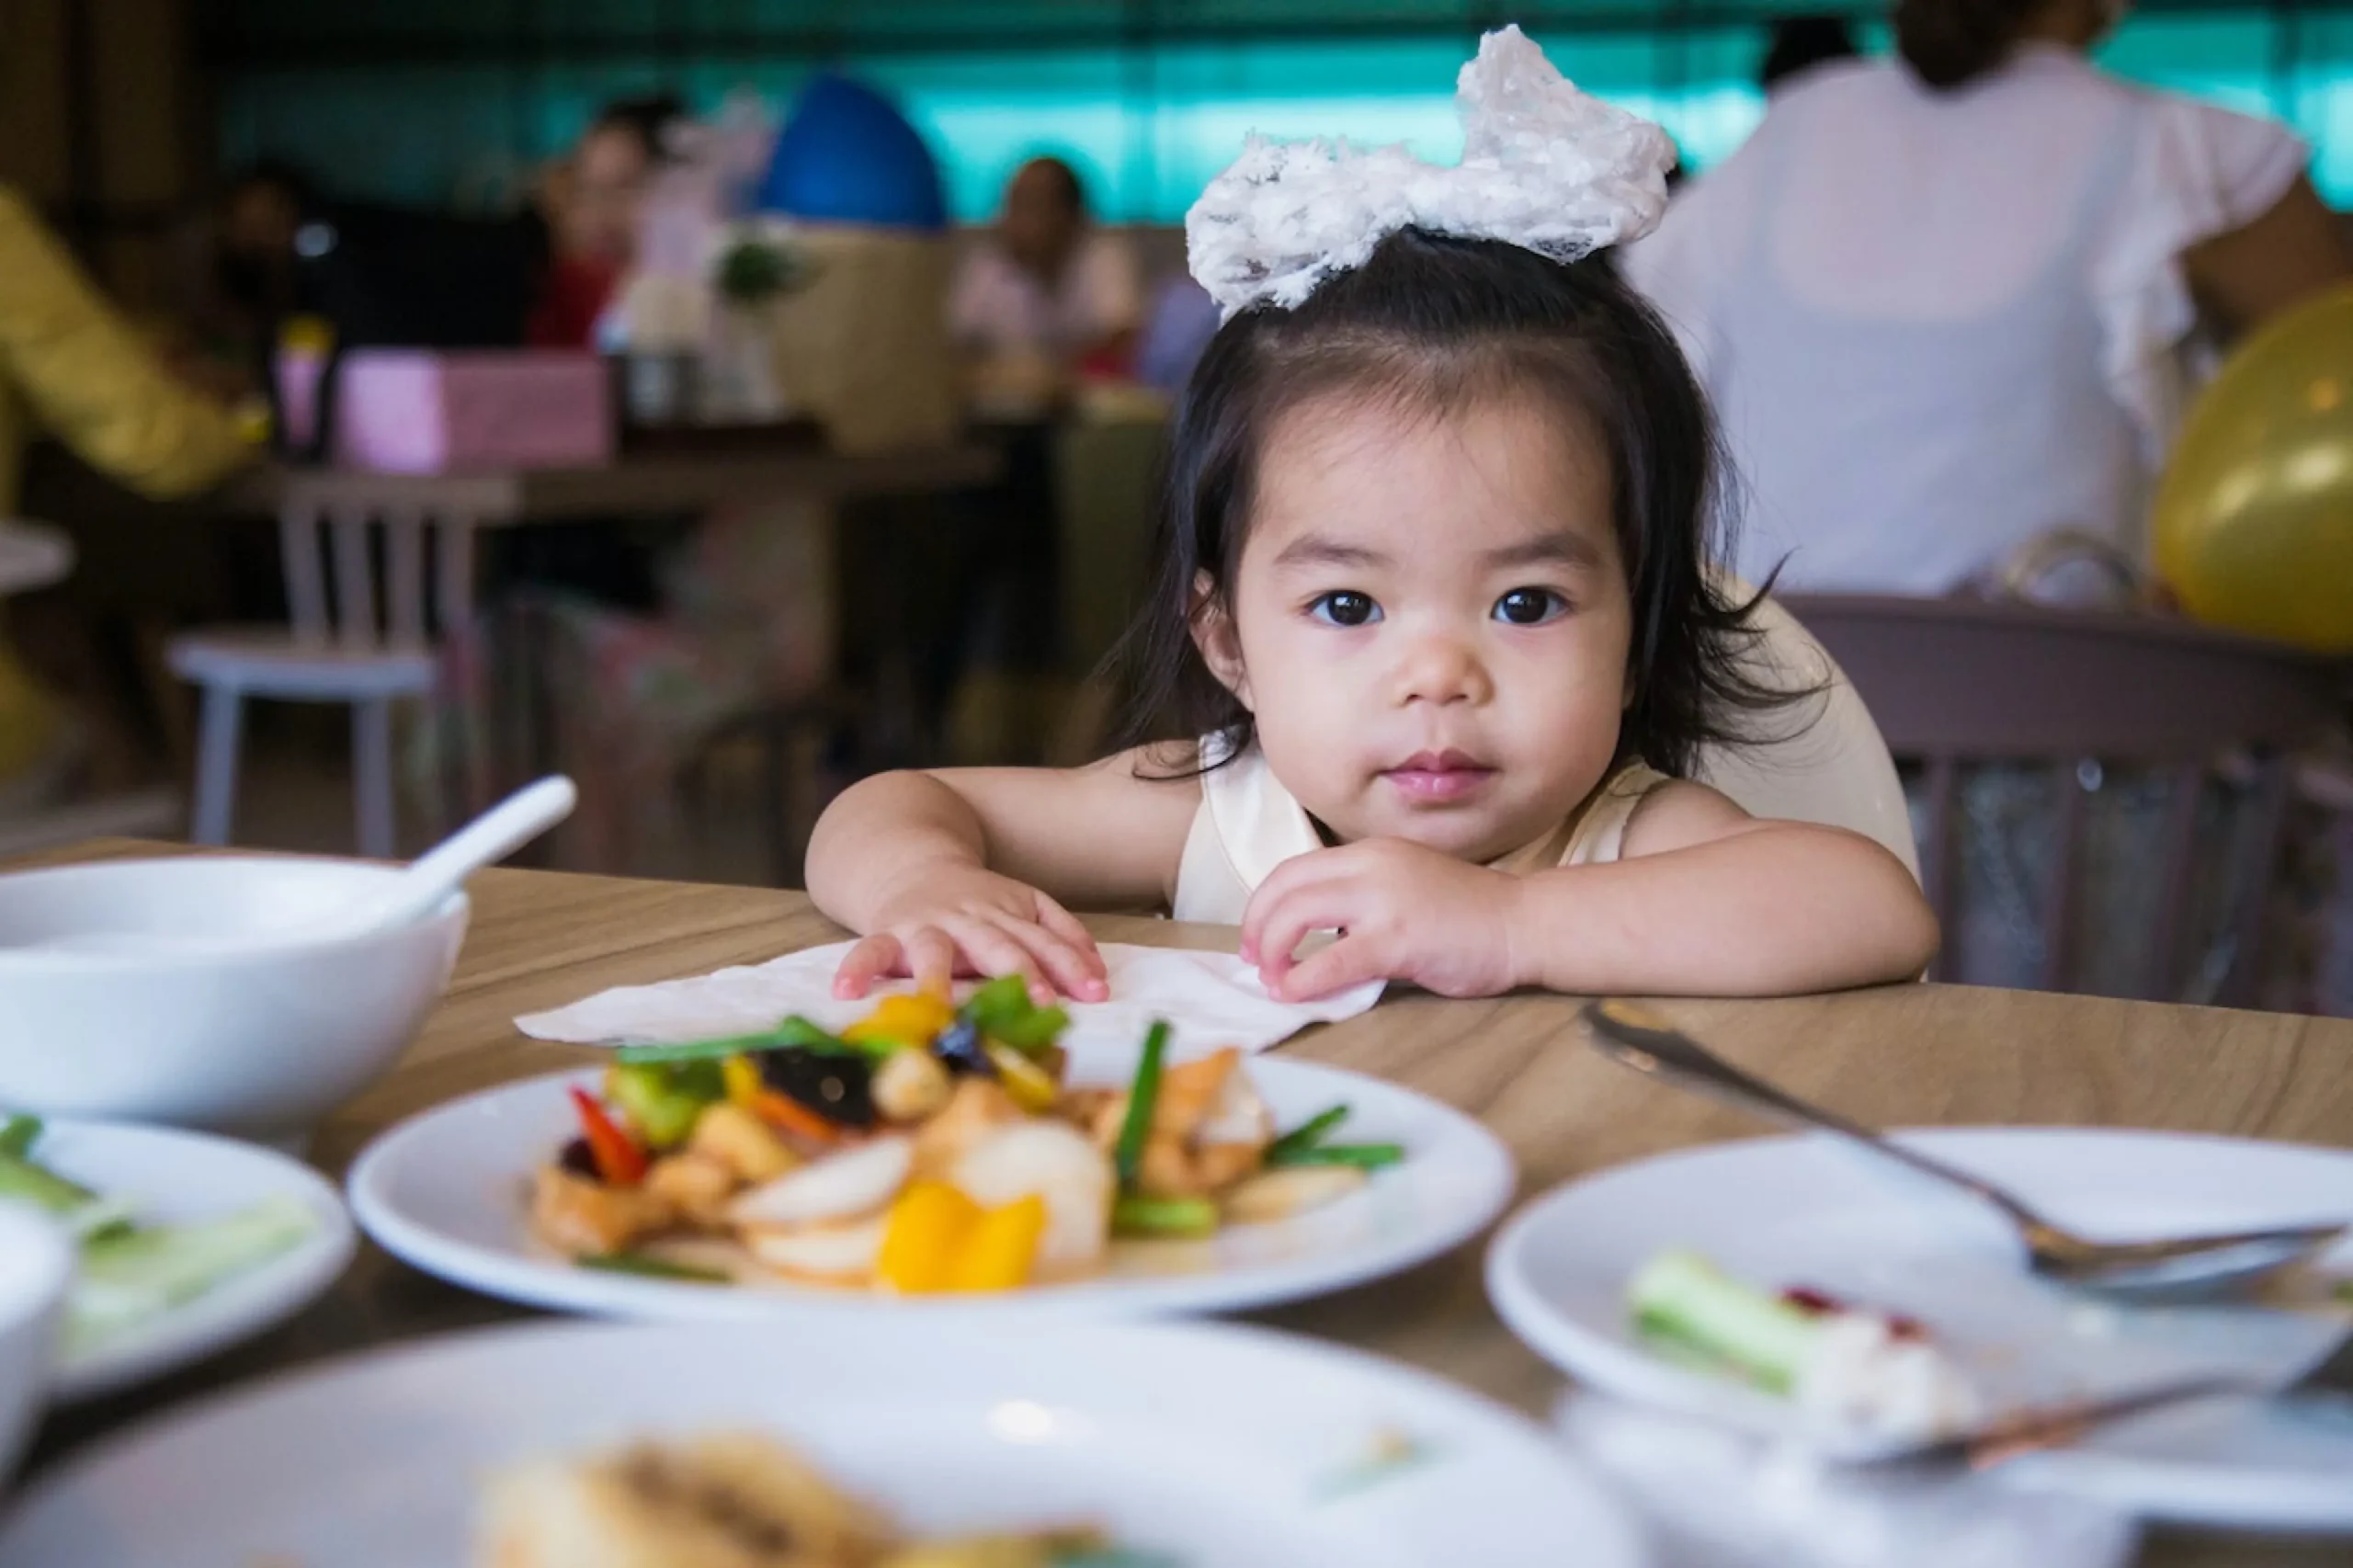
1559	547
1314	550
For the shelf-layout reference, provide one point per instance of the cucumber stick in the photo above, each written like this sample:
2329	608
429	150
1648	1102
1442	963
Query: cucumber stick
80	1210
130	1276
1681	1298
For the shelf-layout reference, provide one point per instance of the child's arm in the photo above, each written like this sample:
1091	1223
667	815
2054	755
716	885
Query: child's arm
969	869
1704	901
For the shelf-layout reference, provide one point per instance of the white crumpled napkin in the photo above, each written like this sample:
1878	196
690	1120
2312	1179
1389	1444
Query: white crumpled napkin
1715	1498
1210	1000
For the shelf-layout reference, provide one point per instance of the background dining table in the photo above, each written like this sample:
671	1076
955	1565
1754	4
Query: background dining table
1903	1055
686	473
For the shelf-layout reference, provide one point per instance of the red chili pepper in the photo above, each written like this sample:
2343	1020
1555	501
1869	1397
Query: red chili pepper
788	1115
619	1159
1820	1303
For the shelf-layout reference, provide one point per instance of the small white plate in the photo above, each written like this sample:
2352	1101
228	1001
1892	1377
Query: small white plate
168	1177
447	1192
1811	1210
1221	1445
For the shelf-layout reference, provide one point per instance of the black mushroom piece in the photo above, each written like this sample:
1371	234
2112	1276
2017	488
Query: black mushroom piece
835	1084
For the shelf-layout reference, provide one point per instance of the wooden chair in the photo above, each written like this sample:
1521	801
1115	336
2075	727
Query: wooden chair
1955	683
368	644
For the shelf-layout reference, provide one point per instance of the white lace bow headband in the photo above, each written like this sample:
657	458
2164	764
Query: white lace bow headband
1543	166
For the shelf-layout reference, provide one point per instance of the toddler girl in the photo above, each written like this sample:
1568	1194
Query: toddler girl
1433	646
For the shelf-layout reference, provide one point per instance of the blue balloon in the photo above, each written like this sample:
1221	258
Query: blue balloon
848	156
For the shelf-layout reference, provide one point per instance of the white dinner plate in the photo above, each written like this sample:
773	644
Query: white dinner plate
168	1176
1219	1446
446	1191
1811	1210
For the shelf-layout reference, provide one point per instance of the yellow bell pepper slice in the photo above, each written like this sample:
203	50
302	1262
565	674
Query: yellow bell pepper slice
1002	1249
1032	1087
913	1018
742	1080
922	1237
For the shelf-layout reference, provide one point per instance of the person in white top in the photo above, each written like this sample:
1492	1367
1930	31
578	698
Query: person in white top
1047	286
1943	304
1432	626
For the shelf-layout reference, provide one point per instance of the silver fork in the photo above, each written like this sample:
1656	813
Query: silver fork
2175	1266
2326	1392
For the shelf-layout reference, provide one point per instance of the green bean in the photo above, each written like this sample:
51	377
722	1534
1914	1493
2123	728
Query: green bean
647	1267
1136	1215
795	1033
1307	1134
1143	1095
1364	1156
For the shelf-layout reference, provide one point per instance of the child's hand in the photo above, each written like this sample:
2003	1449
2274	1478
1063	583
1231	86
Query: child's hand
965	920
1403	913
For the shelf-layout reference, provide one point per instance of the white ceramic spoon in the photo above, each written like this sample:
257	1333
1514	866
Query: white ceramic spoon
429	879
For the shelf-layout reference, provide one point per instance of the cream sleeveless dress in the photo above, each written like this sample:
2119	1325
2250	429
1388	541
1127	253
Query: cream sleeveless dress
1248	823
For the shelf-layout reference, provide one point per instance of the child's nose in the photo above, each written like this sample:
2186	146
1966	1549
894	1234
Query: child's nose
1442	669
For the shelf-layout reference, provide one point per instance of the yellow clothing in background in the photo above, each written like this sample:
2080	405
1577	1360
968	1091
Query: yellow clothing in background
70	366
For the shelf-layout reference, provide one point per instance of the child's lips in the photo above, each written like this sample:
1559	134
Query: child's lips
1439	777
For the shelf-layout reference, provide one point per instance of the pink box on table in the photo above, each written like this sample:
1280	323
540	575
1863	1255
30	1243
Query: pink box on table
430	411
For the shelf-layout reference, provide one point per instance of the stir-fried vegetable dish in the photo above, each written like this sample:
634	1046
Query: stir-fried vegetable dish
929	1147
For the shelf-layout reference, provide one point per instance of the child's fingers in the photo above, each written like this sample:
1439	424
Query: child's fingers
1061	923
1069	971
866	962
992	951
930	957
1351	960
1284	885
1290	919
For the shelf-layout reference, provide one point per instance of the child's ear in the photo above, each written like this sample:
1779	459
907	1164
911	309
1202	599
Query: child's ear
1212	626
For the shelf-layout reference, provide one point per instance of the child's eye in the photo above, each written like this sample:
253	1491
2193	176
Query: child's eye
1529	606
1344	608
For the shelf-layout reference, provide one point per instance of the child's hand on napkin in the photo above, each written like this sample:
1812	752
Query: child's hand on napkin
966	920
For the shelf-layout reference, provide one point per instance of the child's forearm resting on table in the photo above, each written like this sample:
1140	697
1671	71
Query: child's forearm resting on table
1775	908
880	833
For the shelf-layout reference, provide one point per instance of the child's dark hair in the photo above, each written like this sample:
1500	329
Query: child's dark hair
1436	323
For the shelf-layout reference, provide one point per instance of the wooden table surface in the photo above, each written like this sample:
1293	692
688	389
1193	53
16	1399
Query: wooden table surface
1906	1055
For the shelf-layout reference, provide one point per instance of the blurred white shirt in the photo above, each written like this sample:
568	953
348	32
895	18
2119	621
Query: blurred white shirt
1938	325
1001	309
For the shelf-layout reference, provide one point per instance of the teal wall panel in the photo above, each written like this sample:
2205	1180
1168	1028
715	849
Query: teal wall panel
439	101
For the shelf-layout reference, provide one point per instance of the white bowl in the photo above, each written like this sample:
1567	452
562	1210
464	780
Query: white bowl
260	1042
36	1267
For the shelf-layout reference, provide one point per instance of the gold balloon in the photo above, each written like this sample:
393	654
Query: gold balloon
2254	513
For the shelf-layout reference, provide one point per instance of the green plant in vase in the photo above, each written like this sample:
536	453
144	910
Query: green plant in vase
755	264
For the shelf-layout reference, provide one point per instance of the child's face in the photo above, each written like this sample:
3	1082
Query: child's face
1430	620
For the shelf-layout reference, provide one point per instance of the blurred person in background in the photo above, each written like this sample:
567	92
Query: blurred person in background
1046	296
71	367
1951	305
1799	44
591	201
237	275
1946	303
1042	301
